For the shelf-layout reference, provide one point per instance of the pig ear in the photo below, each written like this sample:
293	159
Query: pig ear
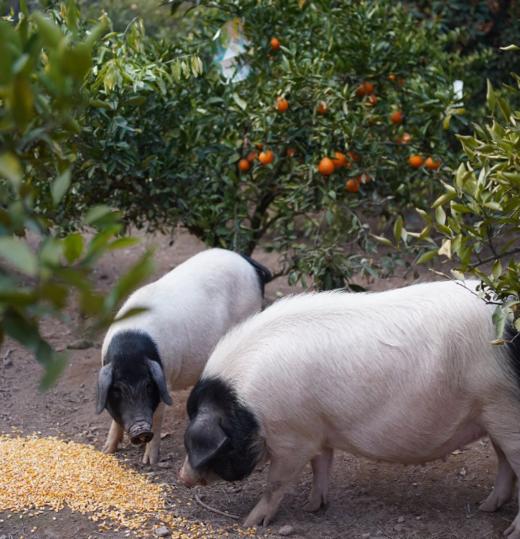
158	377
103	385
204	439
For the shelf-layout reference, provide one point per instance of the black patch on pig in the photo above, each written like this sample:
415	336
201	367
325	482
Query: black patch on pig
264	275
513	349
237	457
133	395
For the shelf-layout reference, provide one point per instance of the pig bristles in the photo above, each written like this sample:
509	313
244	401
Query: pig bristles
214	510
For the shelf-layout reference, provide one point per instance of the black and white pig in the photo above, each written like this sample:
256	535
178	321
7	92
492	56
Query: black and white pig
166	347
403	376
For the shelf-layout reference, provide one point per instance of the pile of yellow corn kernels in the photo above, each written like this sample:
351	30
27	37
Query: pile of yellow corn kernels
48	473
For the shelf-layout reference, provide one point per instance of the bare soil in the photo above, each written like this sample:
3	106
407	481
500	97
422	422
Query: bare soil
367	499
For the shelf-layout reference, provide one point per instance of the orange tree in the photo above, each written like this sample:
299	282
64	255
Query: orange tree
364	84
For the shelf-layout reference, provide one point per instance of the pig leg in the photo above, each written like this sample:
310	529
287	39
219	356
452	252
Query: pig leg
504	484
151	452
502	426
321	465
114	438
282	471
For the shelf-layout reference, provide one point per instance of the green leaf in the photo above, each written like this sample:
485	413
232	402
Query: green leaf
382	240
73	247
54	367
17	252
398	228
76	60
11	169
50	33
60	186
499	320
443	199
98	214
123	243
445	248
427	256
239	101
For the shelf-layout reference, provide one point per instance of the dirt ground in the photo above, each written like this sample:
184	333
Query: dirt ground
367	499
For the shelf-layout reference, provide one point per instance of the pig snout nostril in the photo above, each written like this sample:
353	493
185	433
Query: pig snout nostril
141	438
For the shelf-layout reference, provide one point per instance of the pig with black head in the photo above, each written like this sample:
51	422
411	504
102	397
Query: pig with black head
404	376
166	347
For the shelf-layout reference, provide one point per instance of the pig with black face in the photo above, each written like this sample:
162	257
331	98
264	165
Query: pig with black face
404	376
131	384
166	347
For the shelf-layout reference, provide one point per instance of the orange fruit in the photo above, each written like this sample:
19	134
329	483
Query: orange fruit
397	117
282	104
322	108
266	158
354	156
372	100
431	164
244	165
369	87
392	77
416	161
291	152
352	185
251	156
340	160
405	138
259	146
326	166
360	91
275	44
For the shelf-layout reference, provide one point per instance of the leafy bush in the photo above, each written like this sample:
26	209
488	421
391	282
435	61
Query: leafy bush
165	148
477	220
41	272
476	26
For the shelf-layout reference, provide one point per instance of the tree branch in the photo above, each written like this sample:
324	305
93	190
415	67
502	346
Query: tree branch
495	257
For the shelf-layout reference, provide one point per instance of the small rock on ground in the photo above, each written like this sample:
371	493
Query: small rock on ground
285	530
163	531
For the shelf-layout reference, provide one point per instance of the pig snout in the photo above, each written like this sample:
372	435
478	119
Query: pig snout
140	433
189	477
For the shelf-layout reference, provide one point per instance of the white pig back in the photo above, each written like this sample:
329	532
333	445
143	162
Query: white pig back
399	375
190	308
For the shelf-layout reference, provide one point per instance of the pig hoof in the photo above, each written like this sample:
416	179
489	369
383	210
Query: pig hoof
492	503
513	532
150	456
314	504
256	519
109	448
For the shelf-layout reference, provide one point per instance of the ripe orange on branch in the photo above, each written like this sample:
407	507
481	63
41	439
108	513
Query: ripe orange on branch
340	160
431	164
365	88
352	185
244	165
326	166
405	138
251	156
354	156
397	117
322	108
266	158
416	161
275	44
282	104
